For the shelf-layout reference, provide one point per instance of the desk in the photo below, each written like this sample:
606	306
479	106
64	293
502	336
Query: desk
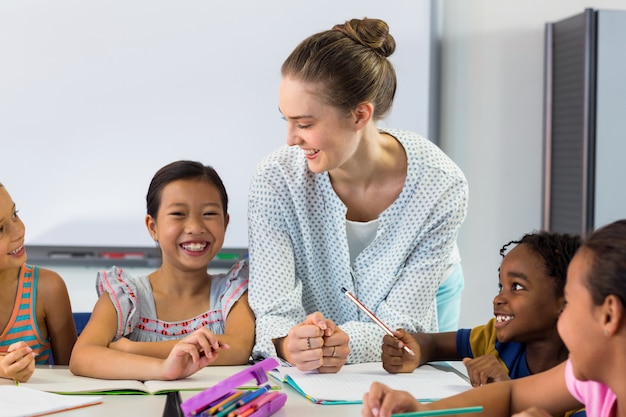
298	406
154	405
121	405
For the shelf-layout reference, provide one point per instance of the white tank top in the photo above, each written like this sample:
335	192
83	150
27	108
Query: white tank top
360	235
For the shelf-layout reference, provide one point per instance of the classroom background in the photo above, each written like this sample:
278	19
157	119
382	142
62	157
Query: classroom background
486	111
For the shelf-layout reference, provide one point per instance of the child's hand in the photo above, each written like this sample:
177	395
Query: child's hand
382	401
484	370
191	354
123	344
533	412
19	362
395	358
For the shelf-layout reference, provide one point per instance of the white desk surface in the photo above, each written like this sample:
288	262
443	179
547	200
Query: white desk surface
121	405
153	405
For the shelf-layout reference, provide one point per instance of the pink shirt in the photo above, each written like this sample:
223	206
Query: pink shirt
598	398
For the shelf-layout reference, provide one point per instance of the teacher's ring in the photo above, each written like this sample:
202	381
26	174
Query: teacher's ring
308	343
334	351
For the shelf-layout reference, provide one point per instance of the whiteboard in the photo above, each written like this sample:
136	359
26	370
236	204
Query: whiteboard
96	96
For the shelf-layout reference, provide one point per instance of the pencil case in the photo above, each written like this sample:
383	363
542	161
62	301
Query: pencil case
223	399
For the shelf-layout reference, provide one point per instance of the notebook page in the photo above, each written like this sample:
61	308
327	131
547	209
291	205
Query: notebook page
61	380
199	381
349	384
18	401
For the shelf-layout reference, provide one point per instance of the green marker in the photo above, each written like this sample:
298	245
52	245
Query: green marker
442	412
227	256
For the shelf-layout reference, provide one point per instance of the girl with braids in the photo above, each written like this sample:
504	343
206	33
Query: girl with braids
522	338
348	204
592	326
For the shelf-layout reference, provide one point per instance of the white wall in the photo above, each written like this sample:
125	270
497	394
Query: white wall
97	95
492	125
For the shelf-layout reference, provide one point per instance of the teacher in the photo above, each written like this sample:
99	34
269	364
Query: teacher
349	204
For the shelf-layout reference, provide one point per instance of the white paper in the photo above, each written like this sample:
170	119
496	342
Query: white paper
19	401
426	383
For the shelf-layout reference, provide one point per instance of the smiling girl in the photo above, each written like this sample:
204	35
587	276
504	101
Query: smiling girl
178	319
36	321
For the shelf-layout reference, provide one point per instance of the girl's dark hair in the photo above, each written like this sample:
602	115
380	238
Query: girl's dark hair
556	250
348	64
607	273
182	170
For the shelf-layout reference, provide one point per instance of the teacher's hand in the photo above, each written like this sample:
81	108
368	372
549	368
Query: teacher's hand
303	344
336	348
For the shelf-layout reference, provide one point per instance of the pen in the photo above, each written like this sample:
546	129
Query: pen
442	412
373	317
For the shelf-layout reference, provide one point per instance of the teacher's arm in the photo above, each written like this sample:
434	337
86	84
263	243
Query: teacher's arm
274	293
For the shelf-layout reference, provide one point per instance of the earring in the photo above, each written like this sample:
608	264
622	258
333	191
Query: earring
606	332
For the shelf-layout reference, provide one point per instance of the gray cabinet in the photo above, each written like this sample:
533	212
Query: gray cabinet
585	121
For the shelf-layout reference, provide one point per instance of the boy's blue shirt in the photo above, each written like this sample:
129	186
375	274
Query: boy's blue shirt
481	340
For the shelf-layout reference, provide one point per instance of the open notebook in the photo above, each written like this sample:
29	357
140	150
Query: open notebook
426	383
19	401
62	381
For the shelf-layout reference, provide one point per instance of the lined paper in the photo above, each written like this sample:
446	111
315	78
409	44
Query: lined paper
426	383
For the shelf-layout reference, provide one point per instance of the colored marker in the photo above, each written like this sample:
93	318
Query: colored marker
122	255
442	412
217	407
248	400
227	256
247	412
211	404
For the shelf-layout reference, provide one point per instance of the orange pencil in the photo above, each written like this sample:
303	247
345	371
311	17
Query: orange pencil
217	406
